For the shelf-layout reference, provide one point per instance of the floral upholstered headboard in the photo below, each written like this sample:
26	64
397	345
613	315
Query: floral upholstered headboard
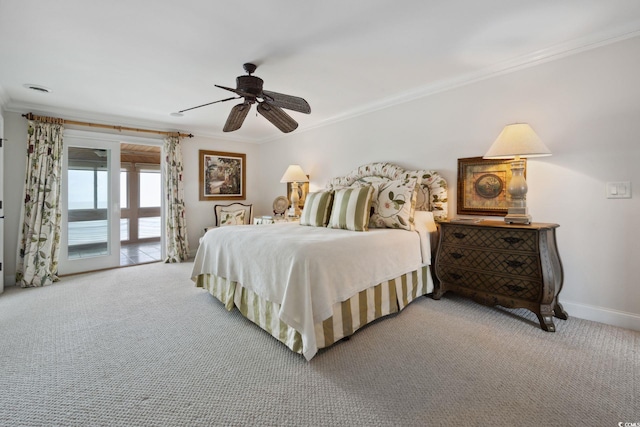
432	194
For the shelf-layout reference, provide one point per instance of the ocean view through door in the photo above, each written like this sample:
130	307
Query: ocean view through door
111	200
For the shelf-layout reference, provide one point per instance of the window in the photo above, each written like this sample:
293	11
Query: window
124	192
150	189
140	201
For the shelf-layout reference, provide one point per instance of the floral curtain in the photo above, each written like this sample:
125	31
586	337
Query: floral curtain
175	226
39	232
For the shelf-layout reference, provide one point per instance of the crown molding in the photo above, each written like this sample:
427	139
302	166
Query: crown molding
515	64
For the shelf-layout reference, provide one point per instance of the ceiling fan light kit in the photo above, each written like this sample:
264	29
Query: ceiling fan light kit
270	104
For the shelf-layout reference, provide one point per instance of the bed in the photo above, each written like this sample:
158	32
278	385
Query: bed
361	251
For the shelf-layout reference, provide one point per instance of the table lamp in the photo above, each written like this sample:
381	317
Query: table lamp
294	174
517	141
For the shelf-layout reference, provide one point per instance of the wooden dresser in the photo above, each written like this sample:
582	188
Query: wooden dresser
495	263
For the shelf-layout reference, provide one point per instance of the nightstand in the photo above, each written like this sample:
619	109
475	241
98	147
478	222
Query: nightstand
273	220
494	263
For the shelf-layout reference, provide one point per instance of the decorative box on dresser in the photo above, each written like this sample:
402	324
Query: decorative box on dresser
494	263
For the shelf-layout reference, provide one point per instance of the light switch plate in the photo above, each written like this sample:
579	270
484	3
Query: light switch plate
619	190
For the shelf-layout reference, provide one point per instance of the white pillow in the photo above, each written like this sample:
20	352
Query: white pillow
232	217
394	204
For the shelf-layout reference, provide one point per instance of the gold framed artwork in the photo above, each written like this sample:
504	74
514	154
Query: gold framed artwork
222	175
482	186
303	190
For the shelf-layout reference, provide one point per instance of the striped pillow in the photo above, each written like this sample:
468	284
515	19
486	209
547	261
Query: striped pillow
350	209
316	209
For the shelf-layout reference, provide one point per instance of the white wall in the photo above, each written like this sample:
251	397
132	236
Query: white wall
199	214
15	151
585	107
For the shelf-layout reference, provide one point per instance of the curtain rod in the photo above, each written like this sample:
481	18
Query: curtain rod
31	116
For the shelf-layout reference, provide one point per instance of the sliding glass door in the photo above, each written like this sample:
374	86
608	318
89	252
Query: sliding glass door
91	205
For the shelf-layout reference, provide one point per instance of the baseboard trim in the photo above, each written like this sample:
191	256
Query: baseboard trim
608	316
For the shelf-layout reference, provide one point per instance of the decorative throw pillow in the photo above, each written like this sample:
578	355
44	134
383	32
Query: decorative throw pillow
317	207
232	217
350	209
394	204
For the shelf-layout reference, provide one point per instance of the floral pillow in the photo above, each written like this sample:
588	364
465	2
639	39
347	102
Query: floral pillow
232	217
394	204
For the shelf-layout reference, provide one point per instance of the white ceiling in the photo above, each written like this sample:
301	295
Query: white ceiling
134	62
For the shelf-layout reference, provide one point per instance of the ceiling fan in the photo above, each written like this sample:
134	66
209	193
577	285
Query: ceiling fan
270	104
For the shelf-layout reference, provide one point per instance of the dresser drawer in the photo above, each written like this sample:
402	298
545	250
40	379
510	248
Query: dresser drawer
520	288
491	238
492	261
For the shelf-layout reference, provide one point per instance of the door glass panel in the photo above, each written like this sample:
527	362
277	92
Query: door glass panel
87	239
102	189
87	185
80	188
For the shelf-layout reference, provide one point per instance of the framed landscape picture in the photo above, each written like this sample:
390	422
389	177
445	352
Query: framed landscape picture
482	186
222	175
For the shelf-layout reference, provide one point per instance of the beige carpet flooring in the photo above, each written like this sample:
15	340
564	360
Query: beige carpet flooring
141	346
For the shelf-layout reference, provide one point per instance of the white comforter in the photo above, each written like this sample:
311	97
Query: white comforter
308	269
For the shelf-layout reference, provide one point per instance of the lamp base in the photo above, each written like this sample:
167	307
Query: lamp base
517	215
294	210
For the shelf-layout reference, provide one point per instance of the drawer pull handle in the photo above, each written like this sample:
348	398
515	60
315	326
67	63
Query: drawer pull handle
456	276
516	288
512	240
512	263
459	235
456	255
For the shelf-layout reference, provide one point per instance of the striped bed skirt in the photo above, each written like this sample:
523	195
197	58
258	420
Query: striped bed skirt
348	316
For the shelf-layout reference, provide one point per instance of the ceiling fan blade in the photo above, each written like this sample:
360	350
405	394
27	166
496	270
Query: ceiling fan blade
209	103
289	102
279	118
239	92
236	117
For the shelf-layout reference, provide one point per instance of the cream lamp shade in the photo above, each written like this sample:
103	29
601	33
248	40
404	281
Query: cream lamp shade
517	141
294	174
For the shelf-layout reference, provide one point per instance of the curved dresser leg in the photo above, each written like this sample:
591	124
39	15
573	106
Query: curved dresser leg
546	321
559	312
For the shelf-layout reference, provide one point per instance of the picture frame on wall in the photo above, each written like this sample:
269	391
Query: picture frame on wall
482	186
222	175
303	190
